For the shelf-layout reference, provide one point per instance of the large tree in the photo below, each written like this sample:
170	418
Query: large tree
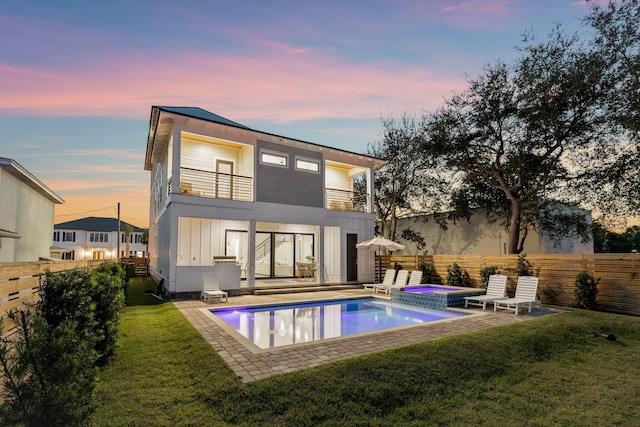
615	173
512	135
408	184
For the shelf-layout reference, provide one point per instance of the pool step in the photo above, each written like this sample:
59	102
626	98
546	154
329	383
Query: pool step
310	288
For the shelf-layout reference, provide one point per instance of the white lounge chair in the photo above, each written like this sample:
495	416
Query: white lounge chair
389	275
415	278
526	291
211	288
400	282
496	289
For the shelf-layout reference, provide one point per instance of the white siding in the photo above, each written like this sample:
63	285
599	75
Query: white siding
338	179
27	212
203	156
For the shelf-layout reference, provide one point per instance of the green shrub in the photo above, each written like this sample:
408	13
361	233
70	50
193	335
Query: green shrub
48	372
66	295
586	290
455	275
48	365
427	272
487	271
107	293
524	267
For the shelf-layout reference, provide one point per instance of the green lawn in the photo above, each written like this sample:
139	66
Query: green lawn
548	371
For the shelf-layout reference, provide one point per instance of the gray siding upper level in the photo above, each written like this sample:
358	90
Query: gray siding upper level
287	185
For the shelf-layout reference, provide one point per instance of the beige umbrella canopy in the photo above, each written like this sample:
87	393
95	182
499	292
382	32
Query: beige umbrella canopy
380	244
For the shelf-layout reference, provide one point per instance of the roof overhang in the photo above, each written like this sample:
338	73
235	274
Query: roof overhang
162	121
14	168
160	130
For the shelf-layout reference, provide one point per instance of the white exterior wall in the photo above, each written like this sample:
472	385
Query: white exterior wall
208	243
477	237
27	212
83	248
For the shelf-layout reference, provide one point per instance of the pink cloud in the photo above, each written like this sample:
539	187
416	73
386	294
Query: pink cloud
469	14
478	7
282	85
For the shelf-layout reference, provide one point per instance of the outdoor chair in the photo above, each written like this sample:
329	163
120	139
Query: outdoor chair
496	289
211	288
415	278
400	282
526	291
389	275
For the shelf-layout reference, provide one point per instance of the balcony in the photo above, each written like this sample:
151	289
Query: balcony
343	200
214	185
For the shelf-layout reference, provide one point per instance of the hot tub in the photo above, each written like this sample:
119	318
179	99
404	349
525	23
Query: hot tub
434	296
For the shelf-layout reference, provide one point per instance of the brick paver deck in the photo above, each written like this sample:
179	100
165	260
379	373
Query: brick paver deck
250	363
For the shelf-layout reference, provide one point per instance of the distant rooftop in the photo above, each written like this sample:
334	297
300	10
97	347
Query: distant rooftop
93	223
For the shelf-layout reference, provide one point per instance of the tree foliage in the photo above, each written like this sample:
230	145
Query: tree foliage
612	182
408	184
511	135
530	143
606	240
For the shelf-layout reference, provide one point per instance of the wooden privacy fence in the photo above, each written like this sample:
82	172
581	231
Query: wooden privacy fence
618	290
19	281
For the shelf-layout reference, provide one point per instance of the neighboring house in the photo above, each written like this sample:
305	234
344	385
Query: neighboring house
480	236
26	214
221	189
97	238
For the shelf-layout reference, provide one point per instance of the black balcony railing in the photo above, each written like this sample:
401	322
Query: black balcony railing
342	200
194	182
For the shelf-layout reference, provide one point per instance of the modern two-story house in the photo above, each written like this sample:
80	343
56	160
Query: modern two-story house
269	203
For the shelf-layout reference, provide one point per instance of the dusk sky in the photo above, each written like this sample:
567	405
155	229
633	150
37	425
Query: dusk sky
78	78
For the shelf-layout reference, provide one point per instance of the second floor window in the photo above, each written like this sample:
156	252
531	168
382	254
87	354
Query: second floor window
133	238
307	165
274	159
99	237
68	236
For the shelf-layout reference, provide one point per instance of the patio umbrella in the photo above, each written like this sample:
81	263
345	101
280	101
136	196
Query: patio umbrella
380	244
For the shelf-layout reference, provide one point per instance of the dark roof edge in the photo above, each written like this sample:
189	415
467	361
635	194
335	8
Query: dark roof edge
243	127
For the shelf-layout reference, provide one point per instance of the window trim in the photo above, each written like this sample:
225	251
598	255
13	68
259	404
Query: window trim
307	160
273	153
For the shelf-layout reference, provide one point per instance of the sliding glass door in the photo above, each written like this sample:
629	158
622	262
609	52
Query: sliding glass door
277	253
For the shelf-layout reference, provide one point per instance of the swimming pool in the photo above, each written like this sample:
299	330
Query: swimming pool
278	325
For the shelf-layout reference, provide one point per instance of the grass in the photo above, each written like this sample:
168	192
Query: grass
549	371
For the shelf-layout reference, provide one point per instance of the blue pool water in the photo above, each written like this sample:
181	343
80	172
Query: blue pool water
279	325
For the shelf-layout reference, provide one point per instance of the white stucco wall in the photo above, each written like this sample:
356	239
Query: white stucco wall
478	236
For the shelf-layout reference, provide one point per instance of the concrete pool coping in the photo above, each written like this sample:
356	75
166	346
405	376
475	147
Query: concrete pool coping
251	364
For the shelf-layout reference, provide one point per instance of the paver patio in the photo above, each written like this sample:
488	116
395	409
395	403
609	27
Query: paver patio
250	363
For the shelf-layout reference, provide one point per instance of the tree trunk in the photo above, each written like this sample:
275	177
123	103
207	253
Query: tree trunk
514	226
